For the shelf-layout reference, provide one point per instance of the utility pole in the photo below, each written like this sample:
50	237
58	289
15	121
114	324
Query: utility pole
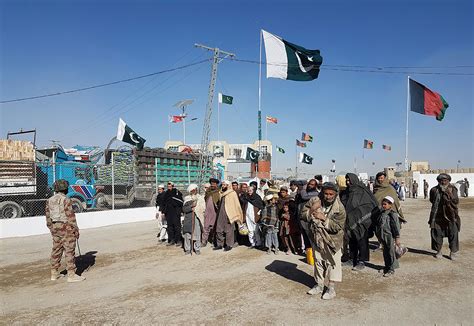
204	159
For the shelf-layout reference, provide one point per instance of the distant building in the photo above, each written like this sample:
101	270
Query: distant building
231	158
419	166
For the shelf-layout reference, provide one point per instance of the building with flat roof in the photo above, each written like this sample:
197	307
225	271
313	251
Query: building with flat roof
231	158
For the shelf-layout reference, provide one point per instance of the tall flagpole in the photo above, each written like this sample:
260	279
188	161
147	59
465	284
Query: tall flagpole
296	163
406	135
259	98
169	127
266	129
218	119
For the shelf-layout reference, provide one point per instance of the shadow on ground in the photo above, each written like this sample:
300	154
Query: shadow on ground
290	272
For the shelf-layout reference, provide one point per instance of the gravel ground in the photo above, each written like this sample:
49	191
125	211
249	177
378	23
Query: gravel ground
132	280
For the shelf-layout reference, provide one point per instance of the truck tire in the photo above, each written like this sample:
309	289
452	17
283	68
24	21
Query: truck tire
10	209
77	205
100	200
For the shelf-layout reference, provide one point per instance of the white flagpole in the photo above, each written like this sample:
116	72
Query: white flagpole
218	119
259	97
266	129
406	134
169	127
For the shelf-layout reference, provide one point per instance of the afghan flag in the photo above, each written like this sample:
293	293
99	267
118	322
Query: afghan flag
286	60
272	119
306	137
305	158
368	144
300	143
226	99
387	147
423	100
281	150
127	135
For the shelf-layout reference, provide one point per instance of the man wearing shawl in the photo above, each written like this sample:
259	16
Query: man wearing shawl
211	198
173	203
382	189
301	199
326	217
229	213
193	208
444	218
251	205
359	203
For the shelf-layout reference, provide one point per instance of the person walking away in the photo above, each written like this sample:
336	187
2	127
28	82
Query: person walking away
466	187
229	213
426	187
269	222
414	189
193	209
173	204
359	203
387	228
252	205
61	222
160	196
326	217
444	218
212	198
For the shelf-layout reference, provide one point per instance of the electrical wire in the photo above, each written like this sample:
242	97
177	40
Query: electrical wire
105	84
368	69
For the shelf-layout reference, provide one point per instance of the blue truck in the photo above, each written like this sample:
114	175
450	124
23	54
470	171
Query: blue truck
26	185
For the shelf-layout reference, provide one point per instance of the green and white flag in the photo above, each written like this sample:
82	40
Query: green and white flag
127	135
305	158
252	155
281	150
286	60
226	99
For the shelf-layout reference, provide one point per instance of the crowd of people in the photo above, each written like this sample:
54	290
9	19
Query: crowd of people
332	222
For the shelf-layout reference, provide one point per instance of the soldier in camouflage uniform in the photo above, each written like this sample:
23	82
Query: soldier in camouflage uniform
61	221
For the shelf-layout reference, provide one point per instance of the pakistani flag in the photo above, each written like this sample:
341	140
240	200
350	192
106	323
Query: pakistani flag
226	99
306	159
281	150
290	61
252	155
127	135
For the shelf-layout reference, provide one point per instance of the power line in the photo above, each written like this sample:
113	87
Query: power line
106	84
371	69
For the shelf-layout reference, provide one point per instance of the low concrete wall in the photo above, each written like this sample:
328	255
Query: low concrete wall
22	227
456	179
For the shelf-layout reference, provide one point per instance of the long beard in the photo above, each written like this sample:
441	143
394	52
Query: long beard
443	188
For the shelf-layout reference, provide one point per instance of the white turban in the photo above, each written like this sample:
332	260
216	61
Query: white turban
192	187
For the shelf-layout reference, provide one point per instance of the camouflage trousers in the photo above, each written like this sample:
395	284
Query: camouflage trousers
64	240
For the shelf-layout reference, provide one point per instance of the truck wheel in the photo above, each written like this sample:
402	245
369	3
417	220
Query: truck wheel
100	200
10	209
77	205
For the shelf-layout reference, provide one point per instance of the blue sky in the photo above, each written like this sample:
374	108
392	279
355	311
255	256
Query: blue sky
50	46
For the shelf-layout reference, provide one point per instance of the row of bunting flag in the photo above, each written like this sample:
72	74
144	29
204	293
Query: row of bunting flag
369	144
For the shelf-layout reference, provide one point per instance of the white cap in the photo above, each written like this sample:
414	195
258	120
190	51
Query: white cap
389	199
161	186
192	187
269	197
227	182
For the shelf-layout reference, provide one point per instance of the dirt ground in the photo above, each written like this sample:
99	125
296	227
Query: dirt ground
132	280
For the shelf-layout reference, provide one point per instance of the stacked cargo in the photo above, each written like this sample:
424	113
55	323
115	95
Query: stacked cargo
16	150
124	170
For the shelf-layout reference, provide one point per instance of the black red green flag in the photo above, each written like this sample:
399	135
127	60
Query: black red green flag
368	144
425	101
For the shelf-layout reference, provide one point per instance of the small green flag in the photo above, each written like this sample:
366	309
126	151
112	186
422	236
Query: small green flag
281	150
226	99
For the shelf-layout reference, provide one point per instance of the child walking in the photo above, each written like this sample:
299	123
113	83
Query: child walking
269	223
387	228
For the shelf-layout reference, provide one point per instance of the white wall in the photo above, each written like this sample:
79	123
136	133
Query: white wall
455	177
26	226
